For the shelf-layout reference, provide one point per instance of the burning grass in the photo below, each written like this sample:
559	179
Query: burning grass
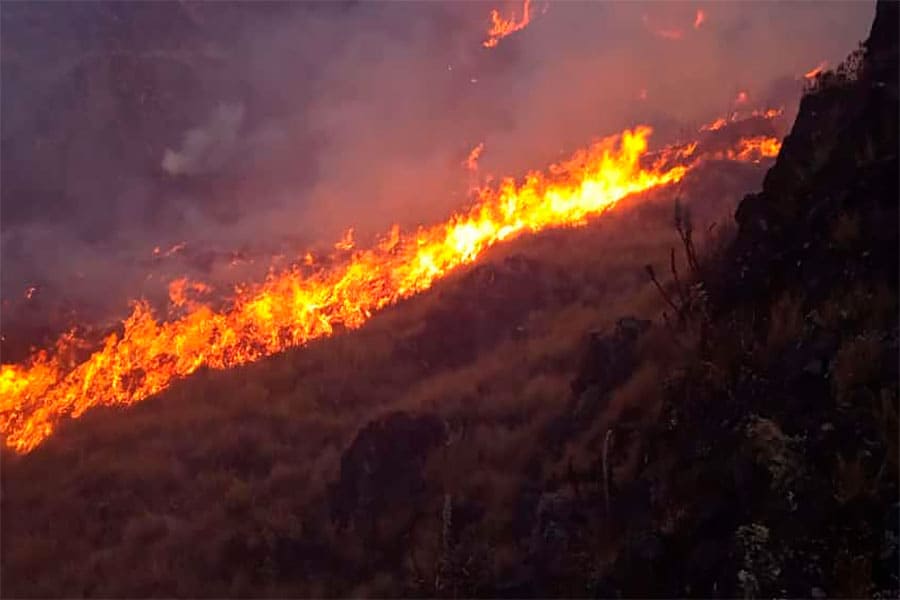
309	301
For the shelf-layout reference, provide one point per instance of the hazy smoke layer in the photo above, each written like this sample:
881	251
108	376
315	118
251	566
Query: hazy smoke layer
249	130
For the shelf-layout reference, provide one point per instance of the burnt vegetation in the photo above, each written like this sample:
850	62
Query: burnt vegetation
557	421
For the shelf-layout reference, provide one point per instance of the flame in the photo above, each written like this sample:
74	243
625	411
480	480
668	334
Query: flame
741	97
769	113
699	19
471	162
719	123
181	290
756	148
752	149
715	125
30	292
500	27
346	242
813	73
300	304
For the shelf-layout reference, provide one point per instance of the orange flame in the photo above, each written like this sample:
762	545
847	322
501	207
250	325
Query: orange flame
181	290
500	27
756	148
346	242
295	306
813	73
719	123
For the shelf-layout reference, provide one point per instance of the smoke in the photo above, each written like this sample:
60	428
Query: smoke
207	149
250	131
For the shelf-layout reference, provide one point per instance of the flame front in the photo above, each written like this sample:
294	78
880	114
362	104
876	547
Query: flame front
500	27
304	303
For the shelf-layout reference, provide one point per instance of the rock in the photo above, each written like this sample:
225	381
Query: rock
610	359
382	468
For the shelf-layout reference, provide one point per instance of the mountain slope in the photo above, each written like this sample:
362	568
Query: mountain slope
507	434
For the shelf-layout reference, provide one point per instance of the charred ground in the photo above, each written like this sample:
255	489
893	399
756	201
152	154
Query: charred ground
534	426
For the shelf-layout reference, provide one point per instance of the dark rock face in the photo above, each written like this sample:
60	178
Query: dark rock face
840	159
610	358
759	459
382	468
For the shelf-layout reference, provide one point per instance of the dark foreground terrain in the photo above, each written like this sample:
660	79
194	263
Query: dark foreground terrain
550	423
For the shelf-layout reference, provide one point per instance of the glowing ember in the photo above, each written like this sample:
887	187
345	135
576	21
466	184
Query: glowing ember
699	19
742	97
500	27
768	114
304	303
813	73
471	162
30	292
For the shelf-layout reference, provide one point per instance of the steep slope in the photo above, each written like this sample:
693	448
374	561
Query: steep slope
774	471
226	484
507	434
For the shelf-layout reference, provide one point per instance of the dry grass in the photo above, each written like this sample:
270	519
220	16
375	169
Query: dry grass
218	486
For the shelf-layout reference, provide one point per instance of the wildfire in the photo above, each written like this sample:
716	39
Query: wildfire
303	303
181	290
346	243
500	27
813	73
719	123
757	148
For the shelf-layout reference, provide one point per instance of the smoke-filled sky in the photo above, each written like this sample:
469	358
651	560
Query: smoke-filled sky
250	129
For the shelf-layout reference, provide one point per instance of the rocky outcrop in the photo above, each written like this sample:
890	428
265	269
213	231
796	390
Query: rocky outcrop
382	469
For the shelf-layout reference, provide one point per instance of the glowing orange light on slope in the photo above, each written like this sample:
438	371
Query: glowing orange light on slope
812	73
500	27
303	303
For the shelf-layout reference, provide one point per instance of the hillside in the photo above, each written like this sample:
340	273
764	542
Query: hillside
547	422
488	354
